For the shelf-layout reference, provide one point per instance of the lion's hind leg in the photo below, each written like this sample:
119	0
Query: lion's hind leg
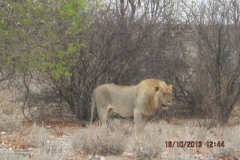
110	111
104	113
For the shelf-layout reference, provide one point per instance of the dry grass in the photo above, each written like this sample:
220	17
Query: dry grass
100	140
34	136
34	143
116	139
69	140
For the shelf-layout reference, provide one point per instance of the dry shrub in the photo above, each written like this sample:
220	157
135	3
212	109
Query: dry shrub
35	136
8	108
10	155
149	144
38	136
101	140
152	143
52	150
16	140
8	111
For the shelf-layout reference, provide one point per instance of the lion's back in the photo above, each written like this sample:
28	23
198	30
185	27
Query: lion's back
115	95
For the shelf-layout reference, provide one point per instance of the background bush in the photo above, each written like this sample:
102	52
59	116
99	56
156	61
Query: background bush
56	53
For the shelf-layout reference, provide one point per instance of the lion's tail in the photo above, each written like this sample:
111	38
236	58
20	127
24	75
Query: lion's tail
92	109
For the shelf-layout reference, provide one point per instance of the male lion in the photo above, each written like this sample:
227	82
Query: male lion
141	100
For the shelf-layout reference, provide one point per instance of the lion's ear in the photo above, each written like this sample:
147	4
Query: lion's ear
156	88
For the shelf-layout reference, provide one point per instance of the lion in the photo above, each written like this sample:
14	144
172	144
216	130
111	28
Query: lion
141	101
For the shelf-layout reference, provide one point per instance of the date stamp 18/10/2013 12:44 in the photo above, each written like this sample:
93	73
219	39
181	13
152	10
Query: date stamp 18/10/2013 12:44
198	144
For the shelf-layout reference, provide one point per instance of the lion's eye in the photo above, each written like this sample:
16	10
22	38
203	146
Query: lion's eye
164	94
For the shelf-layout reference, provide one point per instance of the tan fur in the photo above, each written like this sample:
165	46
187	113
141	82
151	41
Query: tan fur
141	100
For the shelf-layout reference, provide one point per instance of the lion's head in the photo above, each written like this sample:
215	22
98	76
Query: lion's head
164	94
160	94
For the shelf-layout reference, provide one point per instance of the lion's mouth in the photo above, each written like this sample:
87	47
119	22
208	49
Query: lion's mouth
164	107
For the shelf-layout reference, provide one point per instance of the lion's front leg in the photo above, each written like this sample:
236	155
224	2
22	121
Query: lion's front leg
139	122
143	123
